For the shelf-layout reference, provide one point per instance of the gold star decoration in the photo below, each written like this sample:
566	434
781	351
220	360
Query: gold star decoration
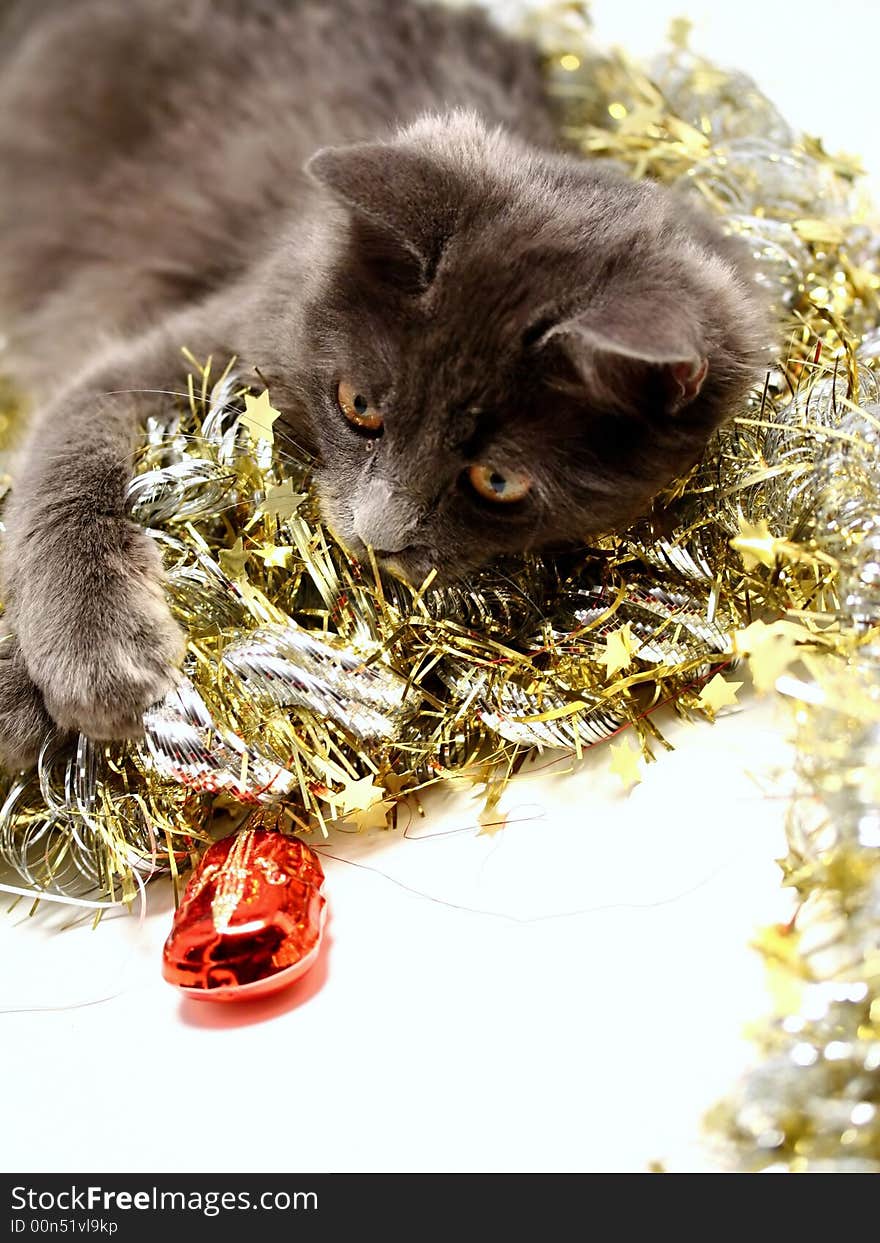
619	649
232	560
275	555
357	796
755	544
718	693
680	32
397	784
625	762
373	817
780	945
259	417
758	546
770	649
754	636
281	501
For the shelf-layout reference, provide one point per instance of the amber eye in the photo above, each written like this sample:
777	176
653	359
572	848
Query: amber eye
497	485
357	409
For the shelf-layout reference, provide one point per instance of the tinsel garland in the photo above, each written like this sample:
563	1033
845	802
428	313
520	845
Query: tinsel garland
321	684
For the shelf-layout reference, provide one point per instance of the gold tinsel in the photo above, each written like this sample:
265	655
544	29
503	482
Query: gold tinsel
321	685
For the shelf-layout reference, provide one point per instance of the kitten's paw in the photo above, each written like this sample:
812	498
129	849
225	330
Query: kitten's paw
24	721
104	688
117	653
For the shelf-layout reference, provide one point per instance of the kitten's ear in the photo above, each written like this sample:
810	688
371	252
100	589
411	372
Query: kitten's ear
399	196
640	345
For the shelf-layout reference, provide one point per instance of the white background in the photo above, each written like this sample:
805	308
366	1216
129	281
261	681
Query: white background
569	994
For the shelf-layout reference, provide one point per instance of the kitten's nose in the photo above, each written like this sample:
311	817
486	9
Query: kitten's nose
385	517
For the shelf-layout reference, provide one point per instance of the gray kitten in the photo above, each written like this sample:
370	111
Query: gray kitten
489	345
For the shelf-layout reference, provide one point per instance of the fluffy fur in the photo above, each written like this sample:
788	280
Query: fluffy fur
357	190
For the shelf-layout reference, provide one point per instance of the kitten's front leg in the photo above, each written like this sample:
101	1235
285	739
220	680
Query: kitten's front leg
82	582
24	721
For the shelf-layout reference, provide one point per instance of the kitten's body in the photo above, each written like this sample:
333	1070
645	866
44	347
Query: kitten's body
153	151
504	306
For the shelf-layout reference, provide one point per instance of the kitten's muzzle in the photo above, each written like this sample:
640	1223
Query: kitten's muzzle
384	517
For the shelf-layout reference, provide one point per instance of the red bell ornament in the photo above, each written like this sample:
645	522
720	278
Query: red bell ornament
251	920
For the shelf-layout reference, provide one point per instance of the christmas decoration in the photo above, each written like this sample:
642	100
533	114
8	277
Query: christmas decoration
251	918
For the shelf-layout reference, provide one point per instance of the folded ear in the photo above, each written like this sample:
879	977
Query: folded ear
640	344
401	198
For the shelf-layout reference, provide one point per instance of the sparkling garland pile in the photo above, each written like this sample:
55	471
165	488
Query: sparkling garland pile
795	486
814	1104
317	683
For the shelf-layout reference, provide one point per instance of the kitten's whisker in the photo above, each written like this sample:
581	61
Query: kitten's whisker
517	588
194	438
131	457
161	392
170	392
306	457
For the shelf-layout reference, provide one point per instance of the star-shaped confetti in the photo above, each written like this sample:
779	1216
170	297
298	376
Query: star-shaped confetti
755	544
232	560
275	556
619	649
770	649
259	417
769	662
625	762
357	796
719	693
758	546
759	632
781	947
396	784
680	32
281	501
373	817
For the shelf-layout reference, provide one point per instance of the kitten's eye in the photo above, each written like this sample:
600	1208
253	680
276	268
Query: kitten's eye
495	485
357	409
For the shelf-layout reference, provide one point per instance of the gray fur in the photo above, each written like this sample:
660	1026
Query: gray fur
362	190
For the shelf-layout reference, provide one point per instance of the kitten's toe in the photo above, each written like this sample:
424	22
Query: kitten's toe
24	721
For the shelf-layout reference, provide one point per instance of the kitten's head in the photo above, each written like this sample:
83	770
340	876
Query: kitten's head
510	349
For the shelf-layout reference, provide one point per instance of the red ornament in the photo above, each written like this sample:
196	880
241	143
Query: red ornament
251	919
